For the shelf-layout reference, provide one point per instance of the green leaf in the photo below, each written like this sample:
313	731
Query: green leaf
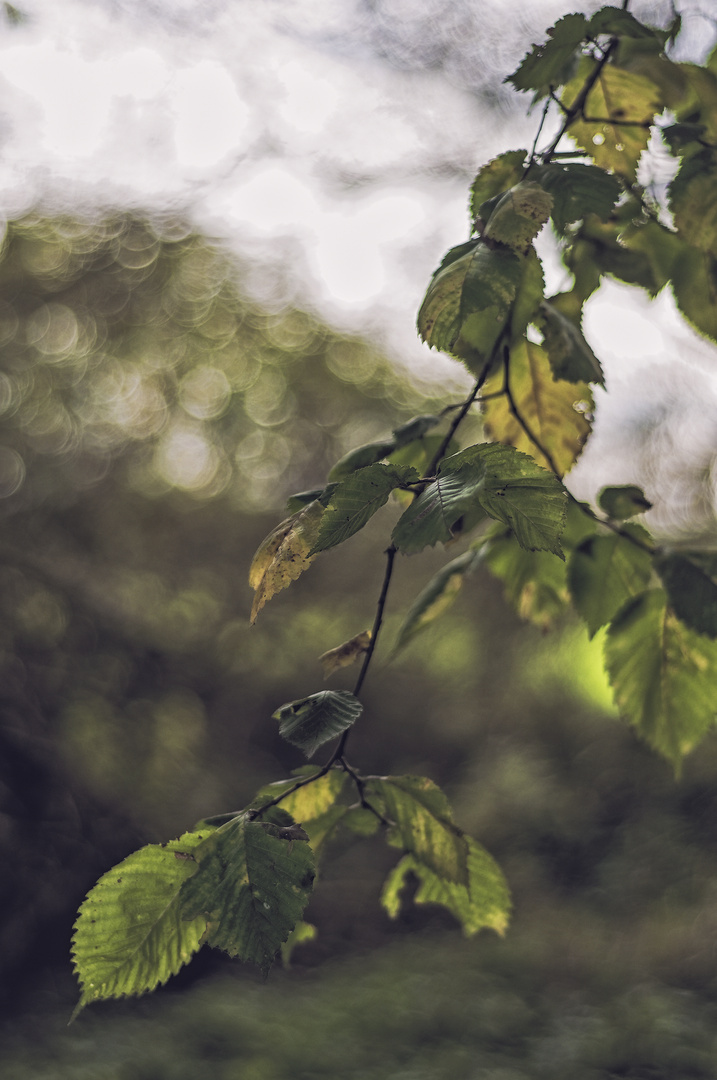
251	887
692	593
361	821
310	722
620	23
284	555
618	114
631	247
664	675
700	102
535	581
129	935
623	501
569	354
551	64
557	413
578	190
414	429
506	484
356	500
693	200
368	454
528	297
603	573
302	933
438	595
483	903
518	216
495	177
310	801
694	284
13	15
316	806
681	137
527	498
420	454
436	516
423	823
300	499
468	301
324	828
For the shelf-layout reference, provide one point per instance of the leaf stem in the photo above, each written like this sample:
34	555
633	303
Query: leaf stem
539	132
303	782
360	783
391	551
643	545
376	629
515	412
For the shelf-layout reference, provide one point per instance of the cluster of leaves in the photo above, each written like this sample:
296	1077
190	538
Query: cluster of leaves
241	883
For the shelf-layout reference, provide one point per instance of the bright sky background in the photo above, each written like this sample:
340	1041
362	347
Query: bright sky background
328	142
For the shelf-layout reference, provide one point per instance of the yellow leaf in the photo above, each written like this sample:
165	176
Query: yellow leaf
311	801
619	110
555	411
346	654
284	555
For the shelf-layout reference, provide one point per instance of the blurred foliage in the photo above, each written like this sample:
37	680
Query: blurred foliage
135	701
147	408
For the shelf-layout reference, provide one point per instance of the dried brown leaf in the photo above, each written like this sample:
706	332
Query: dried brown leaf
346	654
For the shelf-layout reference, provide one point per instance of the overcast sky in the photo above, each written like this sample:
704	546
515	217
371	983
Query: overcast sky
330	143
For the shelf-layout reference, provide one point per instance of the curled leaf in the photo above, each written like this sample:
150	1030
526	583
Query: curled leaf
360	457
483	902
623	501
310	722
438	595
494	177
346	654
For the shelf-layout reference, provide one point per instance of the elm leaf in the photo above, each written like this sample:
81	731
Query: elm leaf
251	888
310	722
284	555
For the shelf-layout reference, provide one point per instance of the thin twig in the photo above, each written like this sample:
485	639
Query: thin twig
390	556
375	631
303	782
460	416
538	133
651	549
360	783
615	122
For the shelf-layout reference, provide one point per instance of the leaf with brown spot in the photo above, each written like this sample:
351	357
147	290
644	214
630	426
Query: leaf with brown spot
284	555
519	216
619	112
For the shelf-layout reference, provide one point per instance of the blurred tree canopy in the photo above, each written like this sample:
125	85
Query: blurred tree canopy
149	409
152	412
134	700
